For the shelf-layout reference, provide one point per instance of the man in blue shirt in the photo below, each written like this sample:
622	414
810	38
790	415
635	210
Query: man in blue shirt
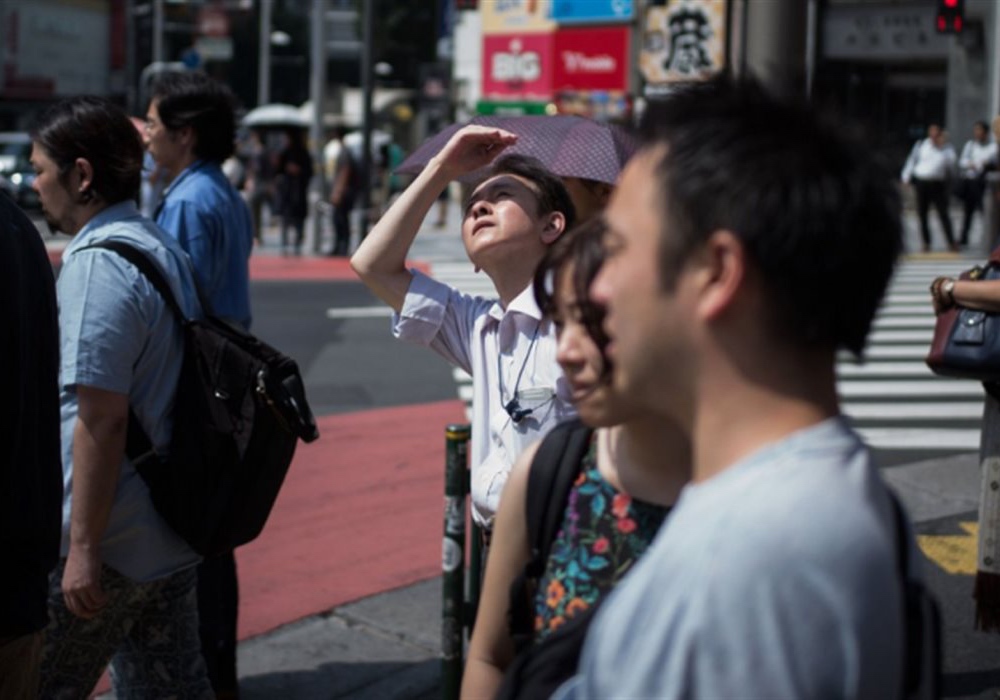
190	128
124	589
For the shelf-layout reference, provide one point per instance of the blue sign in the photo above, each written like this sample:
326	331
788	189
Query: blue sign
581	11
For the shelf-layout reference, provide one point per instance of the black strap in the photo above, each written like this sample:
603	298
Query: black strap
149	270
921	620
554	469
138	446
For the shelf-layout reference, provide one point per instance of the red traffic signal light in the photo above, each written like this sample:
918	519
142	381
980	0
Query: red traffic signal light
950	18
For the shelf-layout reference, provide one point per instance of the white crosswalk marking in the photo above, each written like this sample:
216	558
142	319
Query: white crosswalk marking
895	402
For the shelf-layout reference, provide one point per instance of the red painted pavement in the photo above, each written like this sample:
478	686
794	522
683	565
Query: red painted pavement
360	513
268	267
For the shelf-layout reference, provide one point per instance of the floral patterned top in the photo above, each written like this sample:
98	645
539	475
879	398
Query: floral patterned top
603	533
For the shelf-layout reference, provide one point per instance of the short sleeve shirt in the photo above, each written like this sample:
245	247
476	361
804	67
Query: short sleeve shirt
506	351
118	335
773	579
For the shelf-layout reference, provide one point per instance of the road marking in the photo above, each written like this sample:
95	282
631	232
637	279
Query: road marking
921	438
964	410
936	388
956	554
358	312
884	369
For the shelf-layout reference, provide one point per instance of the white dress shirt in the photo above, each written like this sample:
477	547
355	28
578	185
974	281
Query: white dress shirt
929	162
481	337
976	156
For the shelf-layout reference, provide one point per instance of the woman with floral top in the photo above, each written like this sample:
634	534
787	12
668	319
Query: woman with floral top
604	528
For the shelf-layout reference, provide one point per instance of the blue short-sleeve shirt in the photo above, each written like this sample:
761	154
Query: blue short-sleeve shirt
117	334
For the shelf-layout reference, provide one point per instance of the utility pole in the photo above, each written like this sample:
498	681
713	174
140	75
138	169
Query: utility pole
366	116
317	95
264	51
157	31
776	44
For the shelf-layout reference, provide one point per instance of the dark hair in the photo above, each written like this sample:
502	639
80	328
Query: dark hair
818	216
583	248
551	194
983	125
100	132
193	99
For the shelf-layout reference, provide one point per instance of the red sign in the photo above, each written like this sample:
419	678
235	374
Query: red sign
591	59
518	65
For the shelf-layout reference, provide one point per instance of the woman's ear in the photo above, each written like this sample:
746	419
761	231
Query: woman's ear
555	225
85	179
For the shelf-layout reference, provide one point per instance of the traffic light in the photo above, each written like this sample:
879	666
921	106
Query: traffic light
950	18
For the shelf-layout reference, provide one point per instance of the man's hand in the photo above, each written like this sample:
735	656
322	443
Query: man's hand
473	147
81	583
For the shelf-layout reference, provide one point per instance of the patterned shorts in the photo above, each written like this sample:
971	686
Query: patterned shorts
148	631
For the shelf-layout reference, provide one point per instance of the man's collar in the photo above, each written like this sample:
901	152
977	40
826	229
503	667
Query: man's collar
115	212
524	303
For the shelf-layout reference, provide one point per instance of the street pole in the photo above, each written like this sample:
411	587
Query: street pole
264	51
157	31
131	100
366	117
776	45
316	94
812	41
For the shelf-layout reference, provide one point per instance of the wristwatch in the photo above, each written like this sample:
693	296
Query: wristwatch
948	291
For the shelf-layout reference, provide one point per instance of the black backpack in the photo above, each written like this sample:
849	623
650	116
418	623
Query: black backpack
539	669
239	411
921	620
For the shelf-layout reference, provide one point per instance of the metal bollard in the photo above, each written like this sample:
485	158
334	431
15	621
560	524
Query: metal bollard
453	559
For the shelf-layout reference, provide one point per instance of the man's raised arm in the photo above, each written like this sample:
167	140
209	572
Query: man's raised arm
380	260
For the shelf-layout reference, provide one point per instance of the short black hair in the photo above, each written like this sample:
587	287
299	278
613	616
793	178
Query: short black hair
194	99
817	213
99	131
552	194
582	247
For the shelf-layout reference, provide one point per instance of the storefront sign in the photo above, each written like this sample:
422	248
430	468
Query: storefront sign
512	109
591	59
683	40
516	16
518	65
571	11
902	33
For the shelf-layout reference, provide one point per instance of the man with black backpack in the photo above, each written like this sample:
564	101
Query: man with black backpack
124	590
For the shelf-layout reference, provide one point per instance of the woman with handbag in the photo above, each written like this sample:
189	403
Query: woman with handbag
947	294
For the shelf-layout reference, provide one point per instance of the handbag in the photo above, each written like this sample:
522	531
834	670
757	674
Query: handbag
966	342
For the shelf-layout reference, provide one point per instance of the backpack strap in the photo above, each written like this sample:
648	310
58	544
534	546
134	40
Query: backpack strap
921	620
148	270
553	470
138	446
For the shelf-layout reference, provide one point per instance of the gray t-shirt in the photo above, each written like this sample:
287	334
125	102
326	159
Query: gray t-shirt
774	579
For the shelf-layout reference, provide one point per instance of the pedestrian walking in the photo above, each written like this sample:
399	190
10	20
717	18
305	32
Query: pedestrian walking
191	128
978	155
602	530
295	169
775	574
30	474
507	344
344	191
930	168
124	590
259	182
